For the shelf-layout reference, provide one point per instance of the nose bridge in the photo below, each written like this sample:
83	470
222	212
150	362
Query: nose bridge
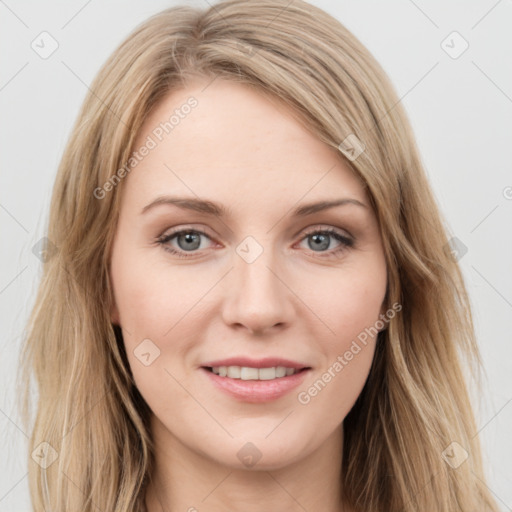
256	295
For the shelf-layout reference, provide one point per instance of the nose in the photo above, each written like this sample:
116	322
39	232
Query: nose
257	297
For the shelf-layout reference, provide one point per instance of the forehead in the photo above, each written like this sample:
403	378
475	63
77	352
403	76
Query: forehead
229	141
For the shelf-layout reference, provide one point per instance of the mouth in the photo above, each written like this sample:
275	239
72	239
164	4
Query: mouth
251	373
255	385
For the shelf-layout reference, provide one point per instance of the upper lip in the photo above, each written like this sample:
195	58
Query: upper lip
267	362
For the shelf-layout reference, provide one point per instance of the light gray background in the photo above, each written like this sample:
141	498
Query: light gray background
460	109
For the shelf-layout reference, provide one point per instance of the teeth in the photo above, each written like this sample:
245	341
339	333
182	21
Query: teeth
247	373
234	372
281	371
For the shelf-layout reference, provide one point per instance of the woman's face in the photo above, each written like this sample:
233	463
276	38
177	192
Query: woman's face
253	279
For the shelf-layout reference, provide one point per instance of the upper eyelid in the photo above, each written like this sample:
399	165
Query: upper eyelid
307	231
326	227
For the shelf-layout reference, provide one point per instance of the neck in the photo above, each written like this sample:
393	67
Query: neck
190	481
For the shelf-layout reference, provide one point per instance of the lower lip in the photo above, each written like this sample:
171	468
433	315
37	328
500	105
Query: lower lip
257	390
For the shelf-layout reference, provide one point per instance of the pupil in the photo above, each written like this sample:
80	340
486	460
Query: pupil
189	239
321	241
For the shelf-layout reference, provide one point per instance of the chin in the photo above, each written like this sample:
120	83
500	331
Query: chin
260	454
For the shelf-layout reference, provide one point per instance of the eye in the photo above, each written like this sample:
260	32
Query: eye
189	241
320	239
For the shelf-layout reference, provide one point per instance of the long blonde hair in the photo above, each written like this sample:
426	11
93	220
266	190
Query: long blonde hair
91	435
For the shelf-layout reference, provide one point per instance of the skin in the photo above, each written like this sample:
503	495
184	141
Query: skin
296	300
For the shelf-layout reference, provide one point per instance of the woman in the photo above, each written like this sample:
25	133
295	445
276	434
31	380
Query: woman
252	304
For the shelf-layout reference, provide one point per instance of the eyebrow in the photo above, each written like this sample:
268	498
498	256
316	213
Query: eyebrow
211	208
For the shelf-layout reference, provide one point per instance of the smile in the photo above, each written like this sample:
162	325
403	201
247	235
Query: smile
250	373
249	385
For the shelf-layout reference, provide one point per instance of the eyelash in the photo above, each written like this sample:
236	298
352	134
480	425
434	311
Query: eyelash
346	243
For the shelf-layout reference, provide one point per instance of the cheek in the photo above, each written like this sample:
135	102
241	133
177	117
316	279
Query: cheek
348	304
159	311
333	391
350	307
149	298
143	312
